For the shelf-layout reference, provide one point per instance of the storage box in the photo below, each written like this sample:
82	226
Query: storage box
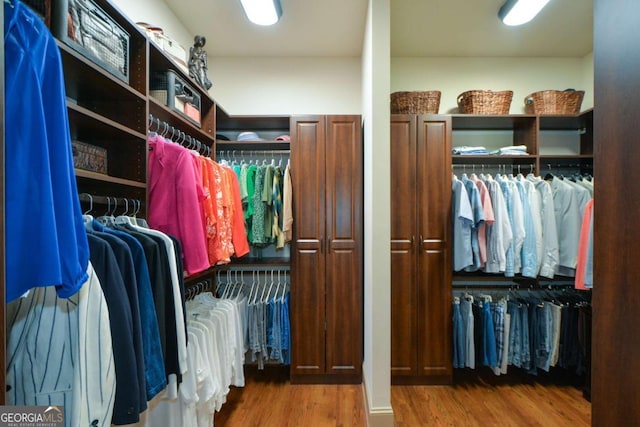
174	92
175	51
85	27
89	157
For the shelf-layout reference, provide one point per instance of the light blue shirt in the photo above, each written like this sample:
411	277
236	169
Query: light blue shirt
462	224
478	218
529	252
510	261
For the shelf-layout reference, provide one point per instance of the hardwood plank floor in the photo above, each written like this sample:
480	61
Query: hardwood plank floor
478	402
269	400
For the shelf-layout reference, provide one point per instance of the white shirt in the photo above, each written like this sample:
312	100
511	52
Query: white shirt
549	230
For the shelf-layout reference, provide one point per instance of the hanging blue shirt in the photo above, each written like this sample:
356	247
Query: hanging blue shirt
46	243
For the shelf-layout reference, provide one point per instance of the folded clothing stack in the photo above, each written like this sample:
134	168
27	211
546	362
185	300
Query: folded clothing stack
470	151
511	150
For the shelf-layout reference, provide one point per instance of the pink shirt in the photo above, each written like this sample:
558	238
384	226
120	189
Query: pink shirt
489	218
583	245
175	197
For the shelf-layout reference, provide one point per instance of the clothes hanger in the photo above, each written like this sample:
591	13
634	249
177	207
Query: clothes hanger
86	216
108	219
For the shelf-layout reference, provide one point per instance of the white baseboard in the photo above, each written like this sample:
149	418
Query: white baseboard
376	417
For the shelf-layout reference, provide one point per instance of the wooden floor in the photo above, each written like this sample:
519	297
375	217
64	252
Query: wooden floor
266	401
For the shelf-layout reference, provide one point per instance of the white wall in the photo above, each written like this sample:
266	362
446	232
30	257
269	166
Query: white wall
288	85
377	220
452	76
588	80
156	13
265	86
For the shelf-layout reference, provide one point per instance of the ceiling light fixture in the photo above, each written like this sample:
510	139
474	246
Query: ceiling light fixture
518	12
262	12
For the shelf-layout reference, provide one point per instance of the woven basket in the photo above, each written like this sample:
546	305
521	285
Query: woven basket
554	102
427	102
485	102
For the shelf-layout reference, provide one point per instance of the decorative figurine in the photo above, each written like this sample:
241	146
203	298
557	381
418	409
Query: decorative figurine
198	62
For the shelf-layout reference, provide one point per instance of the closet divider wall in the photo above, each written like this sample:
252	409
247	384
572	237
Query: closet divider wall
616	343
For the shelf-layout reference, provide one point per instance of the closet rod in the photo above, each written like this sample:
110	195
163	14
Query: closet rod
163	128
231	153
494	165
199	287
115	202
256	268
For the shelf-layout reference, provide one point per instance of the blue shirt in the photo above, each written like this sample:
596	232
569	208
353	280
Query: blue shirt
478	218
462	223
529	250
46	243
153	359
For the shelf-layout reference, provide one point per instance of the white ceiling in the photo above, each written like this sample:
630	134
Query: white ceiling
418	28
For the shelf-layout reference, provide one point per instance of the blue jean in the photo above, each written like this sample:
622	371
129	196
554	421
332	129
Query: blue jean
525	352
459	357
543	345
515	334
490	357
467	327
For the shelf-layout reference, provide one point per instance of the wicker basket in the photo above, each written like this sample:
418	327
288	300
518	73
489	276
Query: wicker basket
554	102
415	102
485	102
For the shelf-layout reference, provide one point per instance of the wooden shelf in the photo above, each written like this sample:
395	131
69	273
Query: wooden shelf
457	158
101	123
89	72
166	114
109	179
490	122
566	156
202	275
225	122
252	145
88	86
263	262
565	122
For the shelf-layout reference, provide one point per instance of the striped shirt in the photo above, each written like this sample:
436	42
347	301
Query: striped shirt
60	353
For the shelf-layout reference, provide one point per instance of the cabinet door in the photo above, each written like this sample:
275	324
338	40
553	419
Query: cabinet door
403	243
308	259
434	265
344	187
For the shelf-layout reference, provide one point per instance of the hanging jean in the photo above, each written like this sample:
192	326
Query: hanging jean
458	336
467	326
515	335
490	357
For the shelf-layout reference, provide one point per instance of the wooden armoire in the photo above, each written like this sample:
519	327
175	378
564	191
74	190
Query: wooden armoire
420	249
326	260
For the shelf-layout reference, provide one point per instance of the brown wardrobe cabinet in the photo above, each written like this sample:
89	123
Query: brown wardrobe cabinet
421	249
326	259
